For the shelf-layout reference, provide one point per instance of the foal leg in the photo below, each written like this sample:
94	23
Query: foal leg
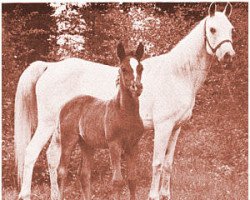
167	167
85	174
163	131
40	138
67	146
53	157
115	150
131	171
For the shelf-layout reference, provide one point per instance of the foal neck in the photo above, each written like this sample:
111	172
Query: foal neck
126	102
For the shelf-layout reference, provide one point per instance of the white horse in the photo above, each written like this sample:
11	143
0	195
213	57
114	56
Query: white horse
170	82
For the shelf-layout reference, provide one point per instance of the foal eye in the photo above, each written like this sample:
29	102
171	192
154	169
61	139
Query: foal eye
213	30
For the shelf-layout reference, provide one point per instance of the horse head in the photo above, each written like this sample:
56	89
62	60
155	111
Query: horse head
218	34
130	71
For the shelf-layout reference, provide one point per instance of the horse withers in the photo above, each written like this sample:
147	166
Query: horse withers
113	124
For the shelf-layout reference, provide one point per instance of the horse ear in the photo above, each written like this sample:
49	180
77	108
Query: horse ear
139	51
212	9
228	9
121	51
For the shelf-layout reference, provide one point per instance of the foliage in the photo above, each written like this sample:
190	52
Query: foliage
24	36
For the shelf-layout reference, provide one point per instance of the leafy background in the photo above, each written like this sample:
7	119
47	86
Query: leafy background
211	153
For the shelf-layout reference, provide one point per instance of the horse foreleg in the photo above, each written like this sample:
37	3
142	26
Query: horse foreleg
163	131
167	166
53	157
115	150
131	171
33	150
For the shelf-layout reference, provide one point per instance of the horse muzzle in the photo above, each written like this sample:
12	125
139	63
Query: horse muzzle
227	59
225	54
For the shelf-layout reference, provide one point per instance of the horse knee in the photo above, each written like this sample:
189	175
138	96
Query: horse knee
53	157
62	173
117	180
85	173
85	180
167	167
157	167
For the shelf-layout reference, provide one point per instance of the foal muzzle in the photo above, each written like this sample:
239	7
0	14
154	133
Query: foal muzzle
136	89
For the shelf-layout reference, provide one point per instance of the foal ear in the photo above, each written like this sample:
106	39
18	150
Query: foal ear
121	51
212	9
139	52
228	9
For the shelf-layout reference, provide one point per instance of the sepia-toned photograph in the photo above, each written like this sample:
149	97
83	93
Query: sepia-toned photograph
124	101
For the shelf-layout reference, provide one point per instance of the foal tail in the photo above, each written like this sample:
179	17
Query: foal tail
26	111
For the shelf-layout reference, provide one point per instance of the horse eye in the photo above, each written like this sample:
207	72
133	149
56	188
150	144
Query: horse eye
213	30
123	69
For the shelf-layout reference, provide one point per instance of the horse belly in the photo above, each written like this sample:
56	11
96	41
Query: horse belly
173	102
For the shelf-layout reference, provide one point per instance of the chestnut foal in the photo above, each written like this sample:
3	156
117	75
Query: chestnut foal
113	124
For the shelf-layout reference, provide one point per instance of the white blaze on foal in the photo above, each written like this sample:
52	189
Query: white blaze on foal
133	63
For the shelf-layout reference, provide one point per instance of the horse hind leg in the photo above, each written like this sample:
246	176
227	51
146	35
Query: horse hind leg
167	167
53	157
68	143
163	131
85	173
40	138
115	151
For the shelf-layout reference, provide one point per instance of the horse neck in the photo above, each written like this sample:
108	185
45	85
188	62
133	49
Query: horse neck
126	102
191	58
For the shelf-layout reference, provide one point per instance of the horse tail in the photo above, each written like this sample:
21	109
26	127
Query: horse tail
26	111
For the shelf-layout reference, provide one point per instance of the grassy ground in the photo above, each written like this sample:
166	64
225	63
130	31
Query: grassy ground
211	153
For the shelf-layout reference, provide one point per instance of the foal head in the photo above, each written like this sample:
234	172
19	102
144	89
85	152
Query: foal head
218	33
130	71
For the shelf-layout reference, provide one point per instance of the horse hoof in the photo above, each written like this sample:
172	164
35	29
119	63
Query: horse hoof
23	198
153	198
164	198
